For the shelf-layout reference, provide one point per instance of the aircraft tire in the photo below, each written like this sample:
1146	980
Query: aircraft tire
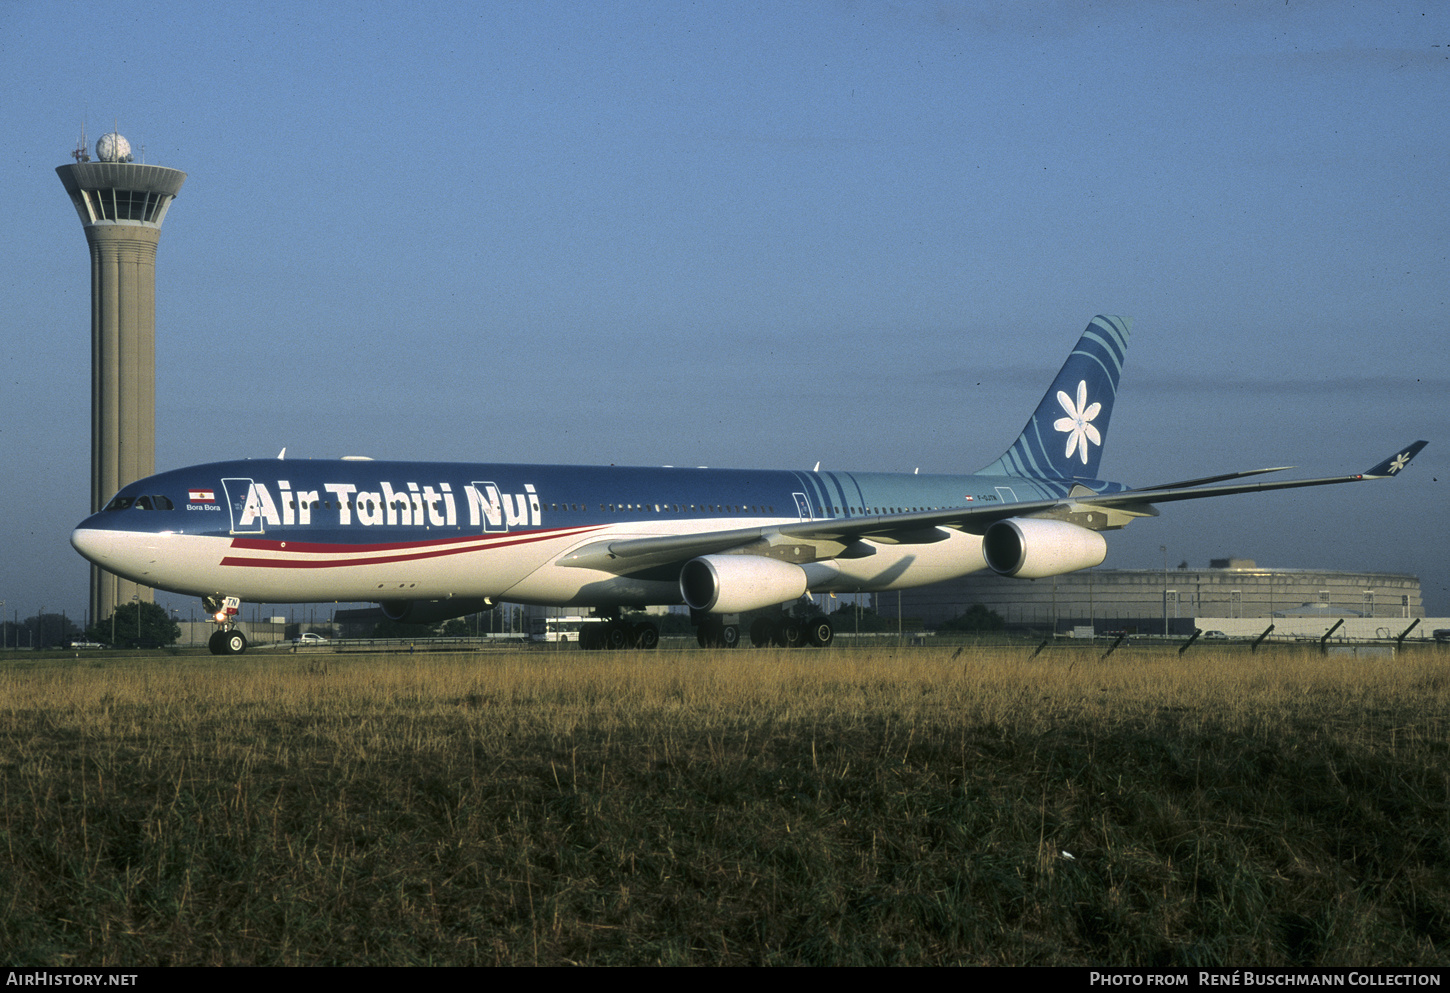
729	635
234	643
820	632
760	632
646	636
215	644
788	633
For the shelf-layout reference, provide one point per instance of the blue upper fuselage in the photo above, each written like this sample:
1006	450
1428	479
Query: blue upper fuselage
346	501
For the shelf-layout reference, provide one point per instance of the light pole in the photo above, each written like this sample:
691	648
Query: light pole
1164	550
136	599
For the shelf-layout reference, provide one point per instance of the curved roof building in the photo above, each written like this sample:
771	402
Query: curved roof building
1144	599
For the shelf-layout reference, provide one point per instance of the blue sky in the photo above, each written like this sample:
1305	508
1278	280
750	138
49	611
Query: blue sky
743	234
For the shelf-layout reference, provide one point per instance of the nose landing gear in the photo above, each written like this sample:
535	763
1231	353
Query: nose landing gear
227	639
231	642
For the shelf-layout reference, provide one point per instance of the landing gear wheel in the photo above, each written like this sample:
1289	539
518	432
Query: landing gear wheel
233	643
714	634
788	633
646	636
820	632
760	632
614	637
216	643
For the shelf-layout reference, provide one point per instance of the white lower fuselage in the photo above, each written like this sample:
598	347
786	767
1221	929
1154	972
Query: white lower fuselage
282	532
519	567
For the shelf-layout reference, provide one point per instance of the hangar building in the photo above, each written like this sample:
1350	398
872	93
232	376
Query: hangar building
1145	599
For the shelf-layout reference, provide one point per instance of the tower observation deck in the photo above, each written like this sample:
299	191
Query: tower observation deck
121	206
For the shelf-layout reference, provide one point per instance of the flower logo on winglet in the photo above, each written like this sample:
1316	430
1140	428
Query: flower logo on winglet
1078	422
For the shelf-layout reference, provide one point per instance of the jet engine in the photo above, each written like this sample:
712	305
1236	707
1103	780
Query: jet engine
728	584
433	611
1030	548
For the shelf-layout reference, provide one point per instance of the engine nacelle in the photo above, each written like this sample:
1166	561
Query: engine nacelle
433	611
1030	548
728	584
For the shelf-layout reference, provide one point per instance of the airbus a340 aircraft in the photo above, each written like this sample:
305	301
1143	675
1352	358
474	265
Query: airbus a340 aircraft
429	541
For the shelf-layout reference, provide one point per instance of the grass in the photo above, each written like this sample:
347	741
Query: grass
854	806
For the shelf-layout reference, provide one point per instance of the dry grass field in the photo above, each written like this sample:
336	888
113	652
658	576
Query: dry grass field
850	806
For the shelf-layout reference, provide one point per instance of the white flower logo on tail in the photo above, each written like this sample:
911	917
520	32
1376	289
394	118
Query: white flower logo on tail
1078	422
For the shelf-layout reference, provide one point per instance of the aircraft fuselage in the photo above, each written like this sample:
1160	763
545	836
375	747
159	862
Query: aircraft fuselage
355	530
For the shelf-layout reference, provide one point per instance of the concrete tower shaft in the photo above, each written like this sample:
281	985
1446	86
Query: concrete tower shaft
121	207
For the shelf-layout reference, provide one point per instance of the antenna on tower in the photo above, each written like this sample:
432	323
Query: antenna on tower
82	152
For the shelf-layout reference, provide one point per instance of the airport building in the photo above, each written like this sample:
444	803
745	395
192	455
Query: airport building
1144	600
121	206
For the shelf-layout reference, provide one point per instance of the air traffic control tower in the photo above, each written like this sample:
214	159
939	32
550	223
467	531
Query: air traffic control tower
121	205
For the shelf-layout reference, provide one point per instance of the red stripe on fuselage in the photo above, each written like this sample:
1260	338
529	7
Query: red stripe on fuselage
413	551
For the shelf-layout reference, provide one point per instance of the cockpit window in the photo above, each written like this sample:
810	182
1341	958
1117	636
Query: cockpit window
149	501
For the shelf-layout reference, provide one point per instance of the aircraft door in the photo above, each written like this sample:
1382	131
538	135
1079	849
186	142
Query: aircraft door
485	506
239	492
802	506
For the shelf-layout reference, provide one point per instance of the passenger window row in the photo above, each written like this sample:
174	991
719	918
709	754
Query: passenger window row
679	508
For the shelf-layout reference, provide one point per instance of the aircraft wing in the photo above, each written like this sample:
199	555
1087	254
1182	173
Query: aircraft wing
1187	491
834	536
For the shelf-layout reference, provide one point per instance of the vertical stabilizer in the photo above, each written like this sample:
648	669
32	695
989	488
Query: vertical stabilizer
1065	436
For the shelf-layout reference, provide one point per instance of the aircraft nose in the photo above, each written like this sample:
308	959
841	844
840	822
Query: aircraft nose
94	544
129	554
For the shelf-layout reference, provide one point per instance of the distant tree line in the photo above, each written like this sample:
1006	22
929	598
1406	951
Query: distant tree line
133	625
155	628
46	630
39	631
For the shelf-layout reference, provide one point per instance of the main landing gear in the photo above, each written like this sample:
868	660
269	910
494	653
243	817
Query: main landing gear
718	632
785	631
227	639
792	632
616	633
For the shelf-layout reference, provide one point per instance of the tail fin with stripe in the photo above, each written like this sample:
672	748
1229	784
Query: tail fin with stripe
1065	436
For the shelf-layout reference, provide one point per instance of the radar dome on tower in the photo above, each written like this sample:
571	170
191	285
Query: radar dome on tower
113	148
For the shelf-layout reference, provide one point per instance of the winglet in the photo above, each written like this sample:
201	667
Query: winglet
1392	465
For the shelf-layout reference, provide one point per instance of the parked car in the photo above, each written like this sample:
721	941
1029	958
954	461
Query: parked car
309	638
86	644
